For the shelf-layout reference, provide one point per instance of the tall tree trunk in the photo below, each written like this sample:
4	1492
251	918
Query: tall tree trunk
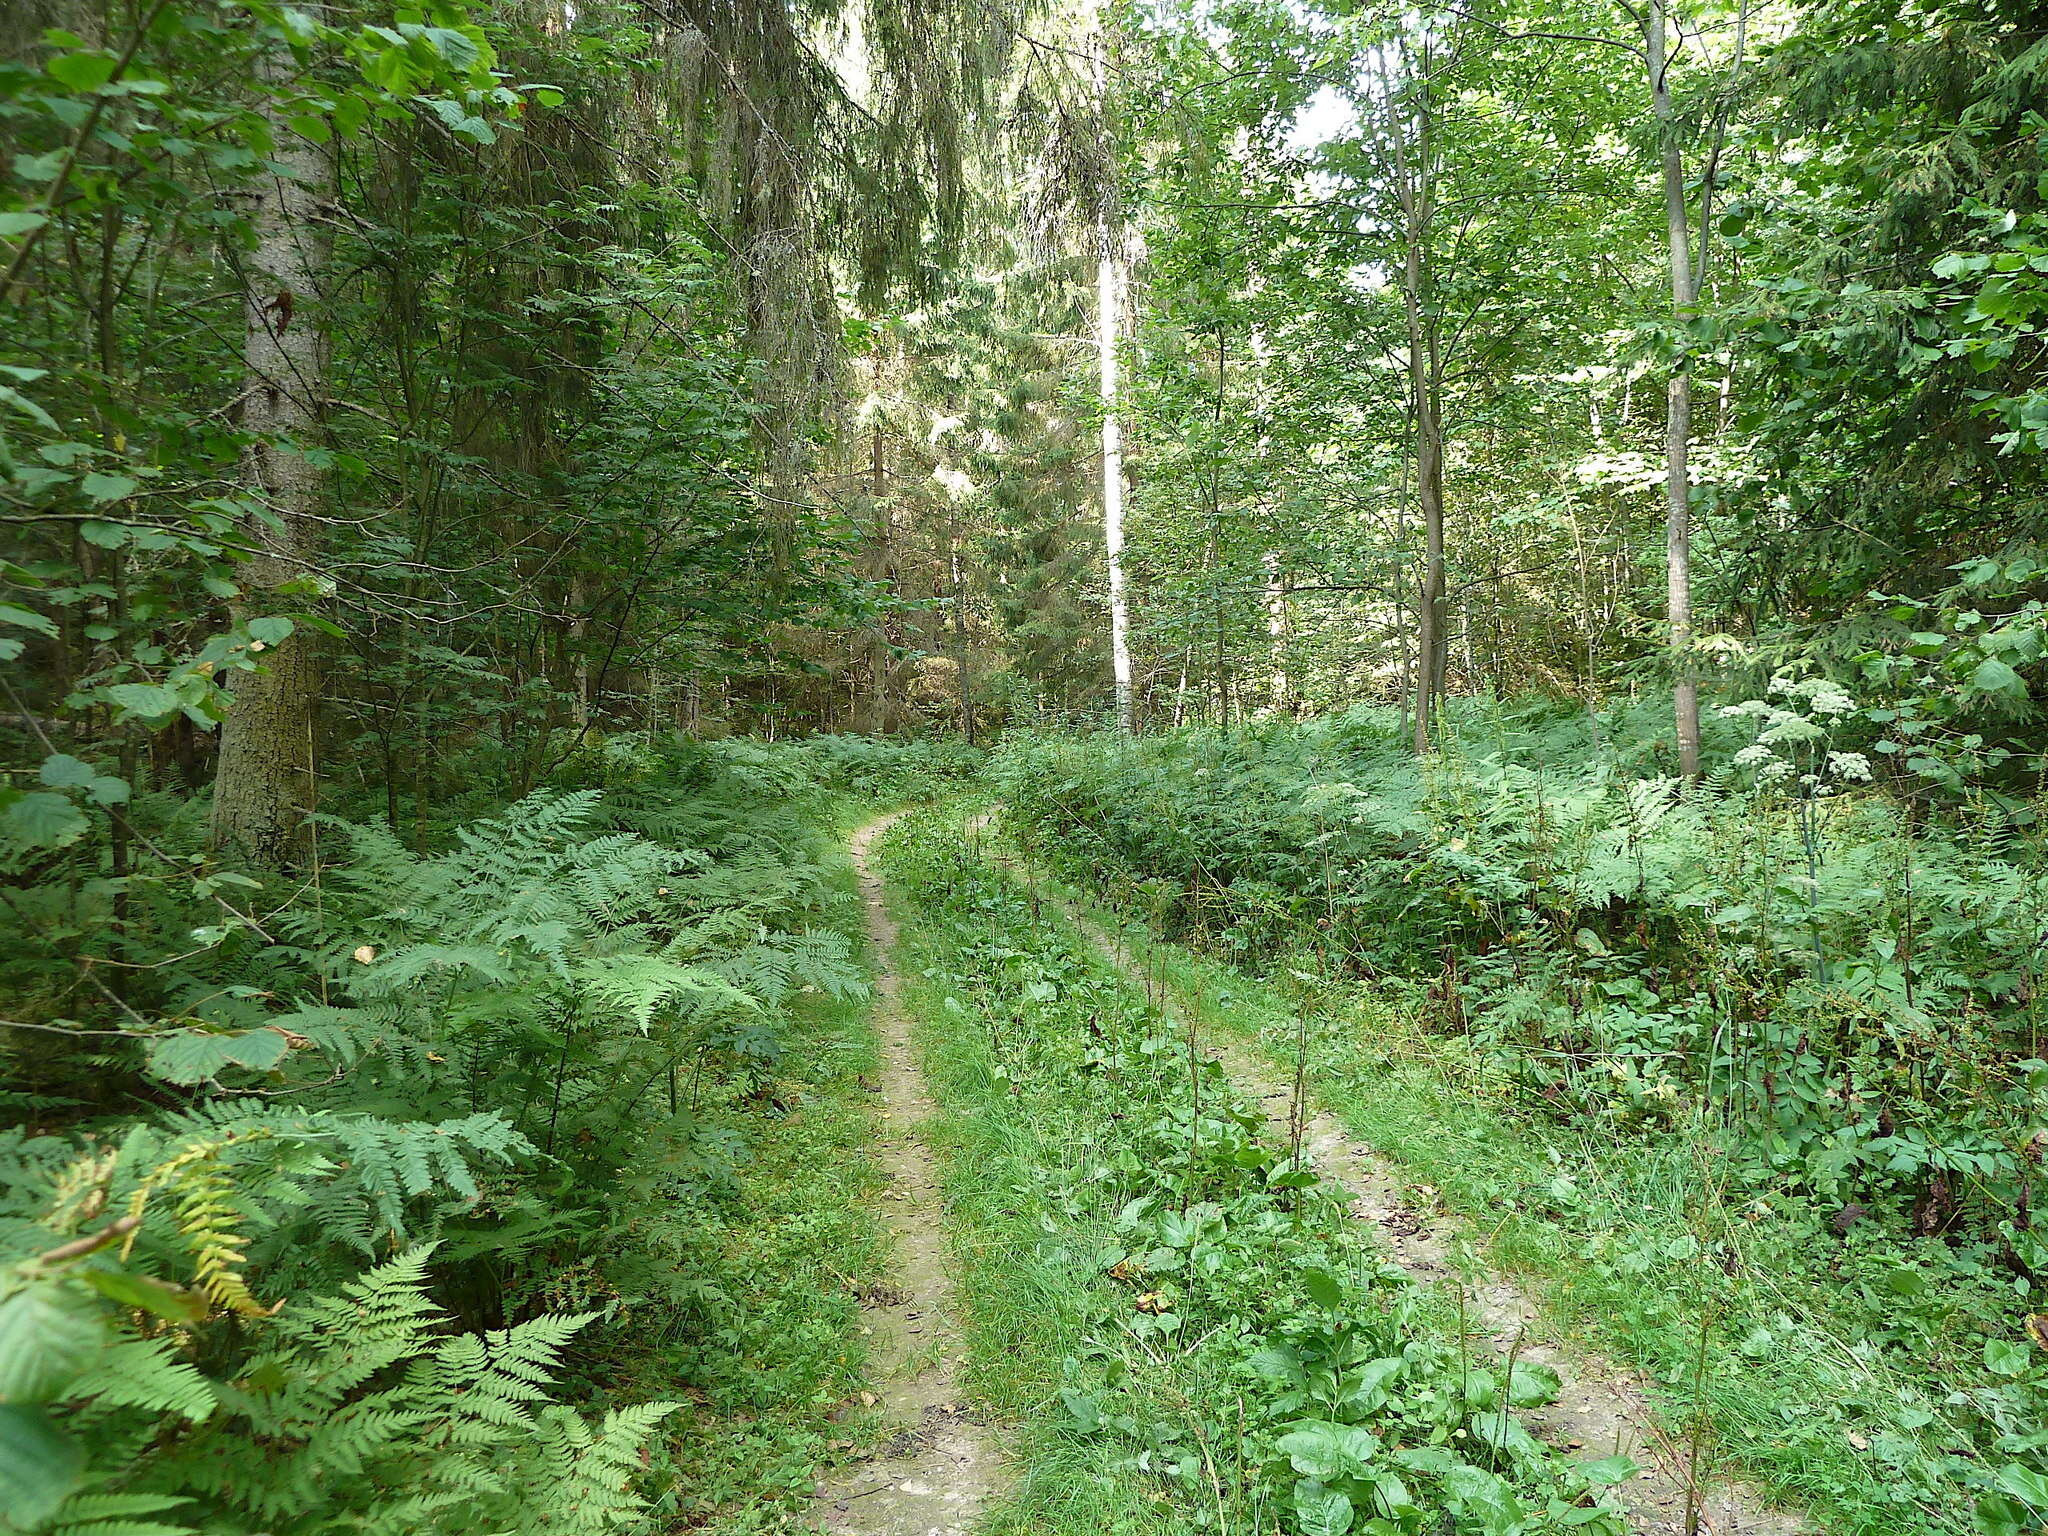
1401	595
881	662
958	583
1109	281
1685	697
584	682
1276	632
263	784
1415	177
1109	278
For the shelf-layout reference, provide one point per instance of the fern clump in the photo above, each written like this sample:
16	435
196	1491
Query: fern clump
321	1283
1782	945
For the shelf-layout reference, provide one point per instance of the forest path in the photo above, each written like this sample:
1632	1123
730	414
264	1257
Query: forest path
1602	1408
936	1474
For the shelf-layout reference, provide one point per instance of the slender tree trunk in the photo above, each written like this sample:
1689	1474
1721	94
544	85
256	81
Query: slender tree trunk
1109	320
585	684
1109	279
1401	597
881	664
1425	382
1276	633
263	784
958	582
1685	698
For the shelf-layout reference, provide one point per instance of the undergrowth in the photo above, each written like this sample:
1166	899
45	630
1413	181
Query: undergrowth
1678	1049
491	1179
1195	1335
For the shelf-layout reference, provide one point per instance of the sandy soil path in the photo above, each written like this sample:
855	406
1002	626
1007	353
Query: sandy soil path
937	1474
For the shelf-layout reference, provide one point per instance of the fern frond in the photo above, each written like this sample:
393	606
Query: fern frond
636	986
144	1373
116	1514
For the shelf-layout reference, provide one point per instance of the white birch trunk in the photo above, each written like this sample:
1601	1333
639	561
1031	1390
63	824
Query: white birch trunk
1109	279
1685	696
1109	321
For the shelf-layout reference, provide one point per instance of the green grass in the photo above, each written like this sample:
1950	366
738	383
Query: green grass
1628	1240
775	1339
1063	1099
1034	1302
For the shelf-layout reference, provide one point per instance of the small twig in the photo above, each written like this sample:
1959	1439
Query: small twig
79	1247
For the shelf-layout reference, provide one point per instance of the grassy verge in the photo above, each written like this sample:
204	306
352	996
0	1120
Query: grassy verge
1829	1373
1189	1335
765	1335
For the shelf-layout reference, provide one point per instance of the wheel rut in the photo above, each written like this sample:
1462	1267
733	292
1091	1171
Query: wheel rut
940	1470
1603	1408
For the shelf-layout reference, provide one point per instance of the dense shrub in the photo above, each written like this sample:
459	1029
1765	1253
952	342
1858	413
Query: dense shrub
1846	978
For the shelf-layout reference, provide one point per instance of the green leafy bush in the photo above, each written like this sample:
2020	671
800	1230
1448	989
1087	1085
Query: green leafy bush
466	1056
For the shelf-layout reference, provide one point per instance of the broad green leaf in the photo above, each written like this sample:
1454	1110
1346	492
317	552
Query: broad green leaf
27	407
1276	1363
1366	1387
150	1294
1321	1449
1321	1511
82	71
1608	1471
40	819
2026	1485
189	1056
1533	1384
1484	1499
105	789
1995	677
21	222
1084	1410
1504	1432
271	629
149	700
26	618
2003	1358
39	1465
1998	1515
63	771
103	488
1323	1288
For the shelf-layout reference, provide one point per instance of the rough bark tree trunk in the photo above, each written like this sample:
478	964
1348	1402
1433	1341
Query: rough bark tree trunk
263	784
881	661
1417	192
